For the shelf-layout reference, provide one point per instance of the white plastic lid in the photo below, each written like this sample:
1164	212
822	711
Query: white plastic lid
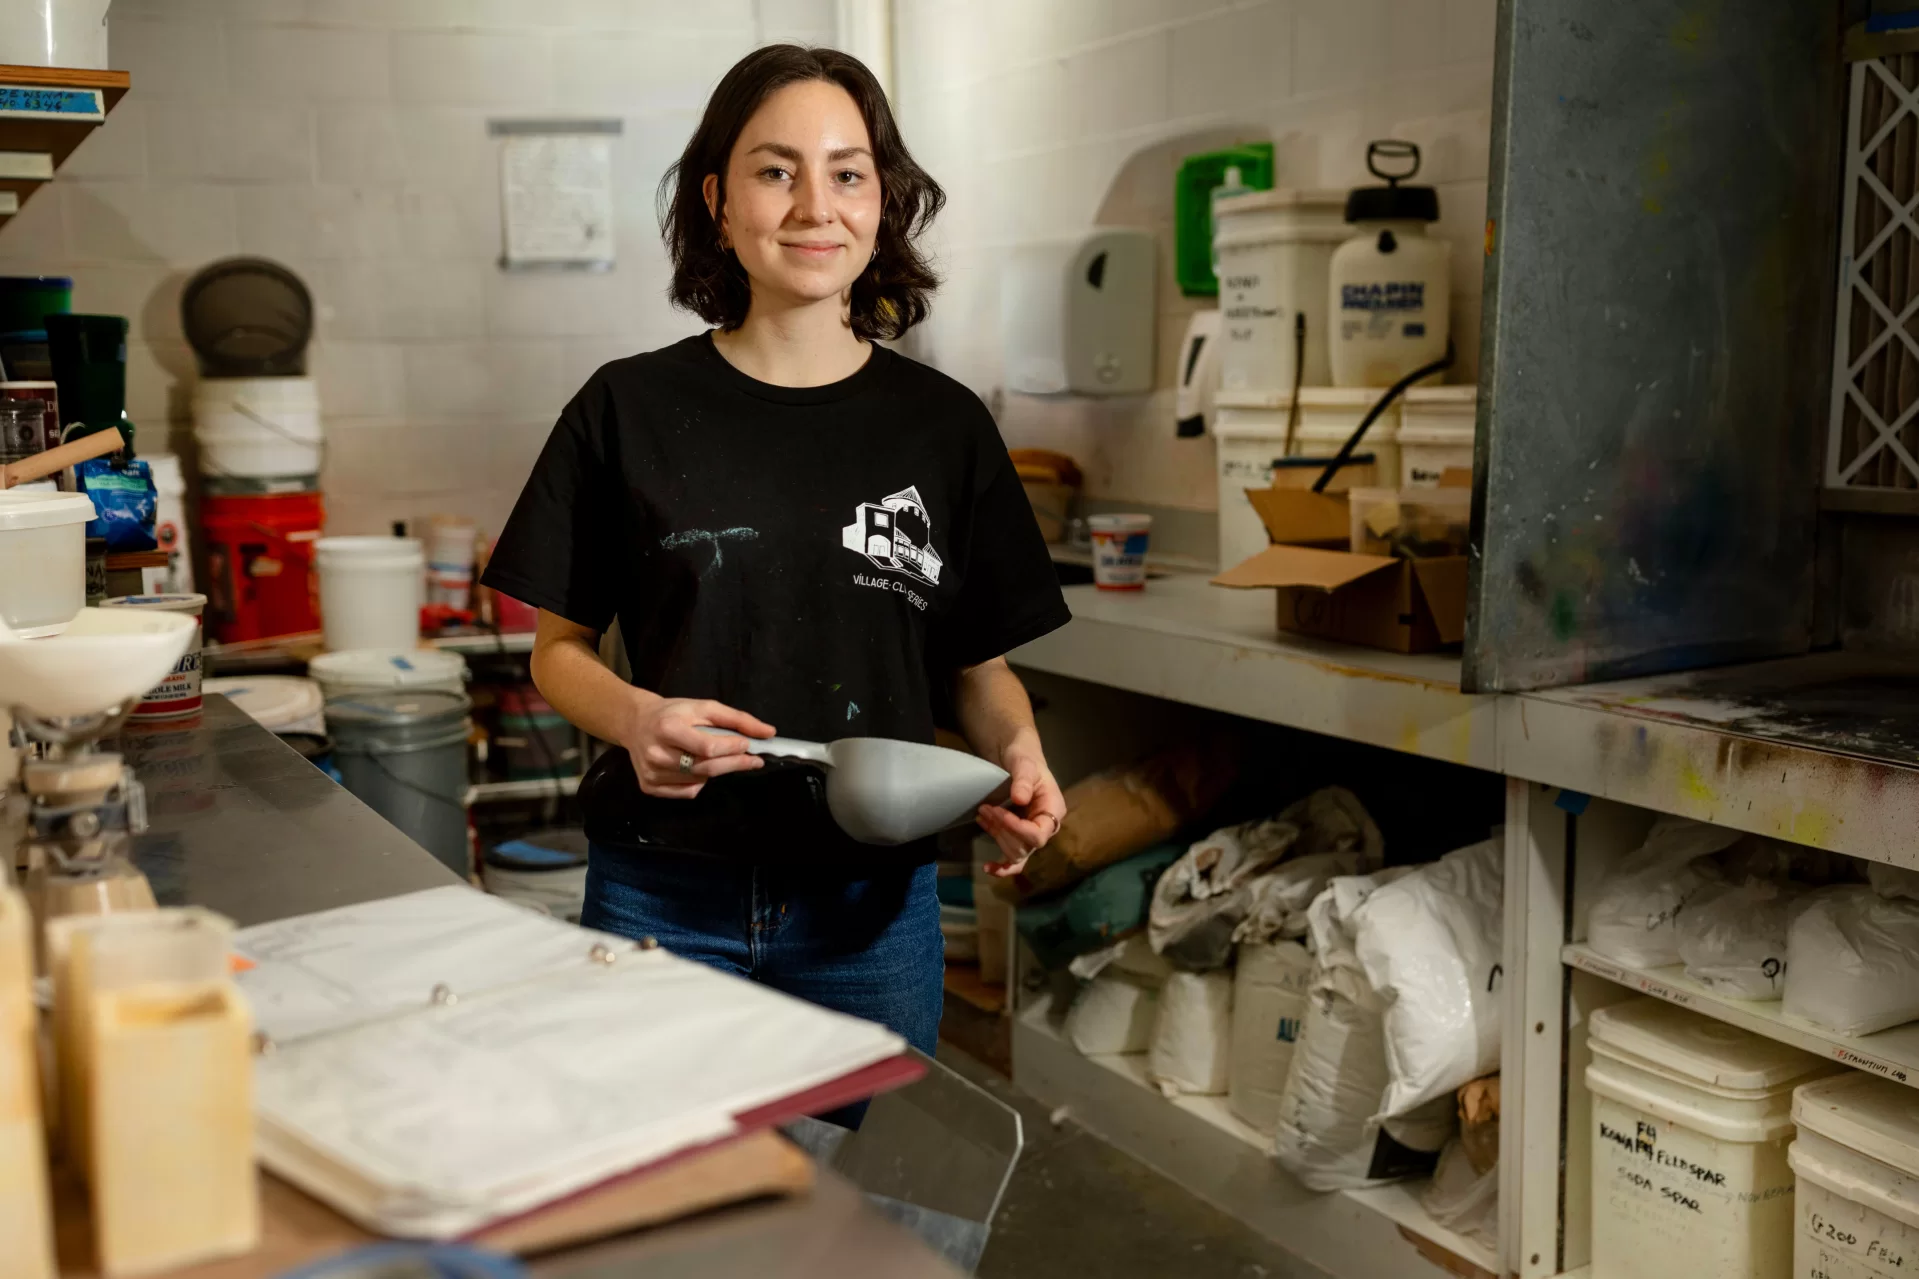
1281	198
274	702
1698	1048
370	550
1874	1116
188	602
37	508
1119	523
1443	396
388	667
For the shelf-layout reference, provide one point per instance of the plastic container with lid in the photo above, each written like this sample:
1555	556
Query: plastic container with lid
404	755
43	559
179	694
1251	430
1691	1120
367	670
1391	294
371	590
258	429
1275	252
1857	1161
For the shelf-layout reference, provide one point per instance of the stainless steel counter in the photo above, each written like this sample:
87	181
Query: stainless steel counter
242	824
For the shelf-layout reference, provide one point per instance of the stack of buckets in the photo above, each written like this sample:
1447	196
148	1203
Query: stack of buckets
260	446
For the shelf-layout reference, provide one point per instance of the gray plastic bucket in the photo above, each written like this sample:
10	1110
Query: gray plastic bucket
403	753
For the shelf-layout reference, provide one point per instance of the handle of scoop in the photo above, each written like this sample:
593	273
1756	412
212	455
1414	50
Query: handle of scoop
778	747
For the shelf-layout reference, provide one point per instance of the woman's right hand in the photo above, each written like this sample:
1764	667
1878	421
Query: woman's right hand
667	729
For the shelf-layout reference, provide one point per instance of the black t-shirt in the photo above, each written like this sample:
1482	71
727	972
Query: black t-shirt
822	557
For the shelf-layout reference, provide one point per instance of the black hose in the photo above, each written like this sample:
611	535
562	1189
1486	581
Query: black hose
1393	392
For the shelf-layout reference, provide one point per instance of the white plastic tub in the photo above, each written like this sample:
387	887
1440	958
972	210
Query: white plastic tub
43	559
1274	251
354	671
258	428
1691	1120
179	694
371	590
1251	432
1436	433
1857	1161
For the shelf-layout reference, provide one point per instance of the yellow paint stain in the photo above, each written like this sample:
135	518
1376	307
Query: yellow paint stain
1409	737
1810	826
1696	788
1691	29
1650	205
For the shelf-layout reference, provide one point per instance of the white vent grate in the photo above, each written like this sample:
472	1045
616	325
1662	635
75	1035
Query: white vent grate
1873	440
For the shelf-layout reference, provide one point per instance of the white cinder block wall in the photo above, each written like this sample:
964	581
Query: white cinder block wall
348	139
1041	117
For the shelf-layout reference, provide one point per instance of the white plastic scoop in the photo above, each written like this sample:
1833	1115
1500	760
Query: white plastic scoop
883	791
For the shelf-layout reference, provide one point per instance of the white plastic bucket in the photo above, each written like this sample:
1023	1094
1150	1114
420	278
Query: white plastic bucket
1691	1120
1251	433
258	428
54	33
43	559
1274	251
366	670
179	693
1857	1161
1119	551
169	528
1436	433
449	561
371	589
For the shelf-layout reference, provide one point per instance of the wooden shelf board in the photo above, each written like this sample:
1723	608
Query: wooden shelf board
1892	1054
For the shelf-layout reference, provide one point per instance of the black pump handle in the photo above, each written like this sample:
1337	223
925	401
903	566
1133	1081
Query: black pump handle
1392	149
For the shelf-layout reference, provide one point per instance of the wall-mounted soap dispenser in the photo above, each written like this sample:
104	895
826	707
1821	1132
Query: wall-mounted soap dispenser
1077	315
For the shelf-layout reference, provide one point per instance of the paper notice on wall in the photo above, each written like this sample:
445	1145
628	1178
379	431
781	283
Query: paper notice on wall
556	193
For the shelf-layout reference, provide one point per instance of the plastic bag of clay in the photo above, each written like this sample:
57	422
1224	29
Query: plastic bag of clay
1200	903
1636	908
1270	985
1327	1133
1114	814
1893	881
1201	898
1107	905
1192	1043
1462	1198
1112	1014
1276	901
1134	957
1430	945
1732	937
1852	960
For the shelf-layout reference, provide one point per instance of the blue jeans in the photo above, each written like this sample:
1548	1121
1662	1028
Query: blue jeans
868	947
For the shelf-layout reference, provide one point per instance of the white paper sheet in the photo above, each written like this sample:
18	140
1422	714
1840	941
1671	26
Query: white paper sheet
340	967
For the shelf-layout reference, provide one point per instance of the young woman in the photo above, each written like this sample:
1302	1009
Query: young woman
799	530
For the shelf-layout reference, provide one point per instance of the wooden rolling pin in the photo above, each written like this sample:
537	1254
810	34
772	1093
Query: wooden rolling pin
55	460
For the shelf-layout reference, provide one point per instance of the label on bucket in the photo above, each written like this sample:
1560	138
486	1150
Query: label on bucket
177	694
1841	1239
1119	559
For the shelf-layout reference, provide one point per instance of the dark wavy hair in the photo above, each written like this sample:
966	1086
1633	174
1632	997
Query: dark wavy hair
893	293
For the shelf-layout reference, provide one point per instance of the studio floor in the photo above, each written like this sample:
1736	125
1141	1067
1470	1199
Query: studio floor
1076	1206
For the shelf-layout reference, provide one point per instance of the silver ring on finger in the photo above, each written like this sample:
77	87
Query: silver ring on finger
686	762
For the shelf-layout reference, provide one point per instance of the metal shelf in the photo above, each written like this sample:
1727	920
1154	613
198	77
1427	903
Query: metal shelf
1189	641
45	112
1893	1054
537	788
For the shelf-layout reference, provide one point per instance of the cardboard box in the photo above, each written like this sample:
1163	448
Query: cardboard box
1407	606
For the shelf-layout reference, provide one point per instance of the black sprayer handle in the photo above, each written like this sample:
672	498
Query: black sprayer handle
1392	149
1393	392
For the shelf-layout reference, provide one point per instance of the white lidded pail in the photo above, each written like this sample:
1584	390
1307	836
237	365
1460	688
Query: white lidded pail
351	672
258	428
281	704
43	559
1857	1161
371	590
54	33
1691	1120
449	561
1274	251
1436	430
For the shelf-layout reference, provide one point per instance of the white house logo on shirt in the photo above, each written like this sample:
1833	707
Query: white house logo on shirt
896	533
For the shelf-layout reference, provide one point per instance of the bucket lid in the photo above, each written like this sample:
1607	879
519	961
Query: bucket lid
388	667
273	702
37	508
369	549
187	602
401	707
1873	1116
1699	1048
1282	198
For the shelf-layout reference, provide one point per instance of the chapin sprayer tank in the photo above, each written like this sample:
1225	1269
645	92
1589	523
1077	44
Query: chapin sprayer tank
1391	287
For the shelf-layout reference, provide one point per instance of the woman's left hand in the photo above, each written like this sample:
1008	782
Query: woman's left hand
1041	807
